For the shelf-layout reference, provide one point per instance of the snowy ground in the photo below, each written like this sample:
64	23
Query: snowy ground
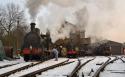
112	57
90	68
116	69
64	71
123	58
6	62
7	69
39	66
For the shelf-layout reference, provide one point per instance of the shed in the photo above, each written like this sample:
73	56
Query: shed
115	47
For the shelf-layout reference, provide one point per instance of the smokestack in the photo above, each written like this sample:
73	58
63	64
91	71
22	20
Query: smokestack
32	26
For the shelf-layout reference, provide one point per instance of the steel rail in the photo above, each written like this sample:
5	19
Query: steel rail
78	67
122	60
34	73
18	69
96	74
7	65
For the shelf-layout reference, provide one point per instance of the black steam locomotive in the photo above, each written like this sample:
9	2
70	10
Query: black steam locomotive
35	44
102	49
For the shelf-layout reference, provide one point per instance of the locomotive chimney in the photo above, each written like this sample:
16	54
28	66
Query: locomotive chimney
32	26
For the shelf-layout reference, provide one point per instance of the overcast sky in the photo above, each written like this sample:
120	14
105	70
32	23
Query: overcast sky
106	18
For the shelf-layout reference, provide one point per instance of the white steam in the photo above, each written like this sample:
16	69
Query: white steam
54	16
101	19
34	5
106	19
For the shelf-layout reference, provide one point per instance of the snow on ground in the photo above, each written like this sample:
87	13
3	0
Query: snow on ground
91	66
62	71
7	69
116	69
84	59
123	58
71	60
112	57
39	66
7	62
108	74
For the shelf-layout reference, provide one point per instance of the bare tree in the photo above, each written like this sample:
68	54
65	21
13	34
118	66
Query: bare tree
2	27
19	33
11	17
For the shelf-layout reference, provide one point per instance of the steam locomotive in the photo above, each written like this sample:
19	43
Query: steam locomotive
102	49
71	51
35	44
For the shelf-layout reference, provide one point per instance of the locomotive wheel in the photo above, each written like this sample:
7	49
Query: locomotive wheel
71	55
26	58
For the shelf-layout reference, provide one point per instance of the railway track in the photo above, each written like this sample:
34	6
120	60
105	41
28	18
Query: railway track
90	69
101	68
9	72
63	71
107	63
122	58
82	67
75	71
7	65
58	68
33	74
37	69
37	72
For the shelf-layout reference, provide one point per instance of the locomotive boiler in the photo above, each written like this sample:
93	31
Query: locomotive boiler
33	46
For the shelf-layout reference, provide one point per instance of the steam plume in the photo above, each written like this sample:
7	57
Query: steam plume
99	18
34	5
82	18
